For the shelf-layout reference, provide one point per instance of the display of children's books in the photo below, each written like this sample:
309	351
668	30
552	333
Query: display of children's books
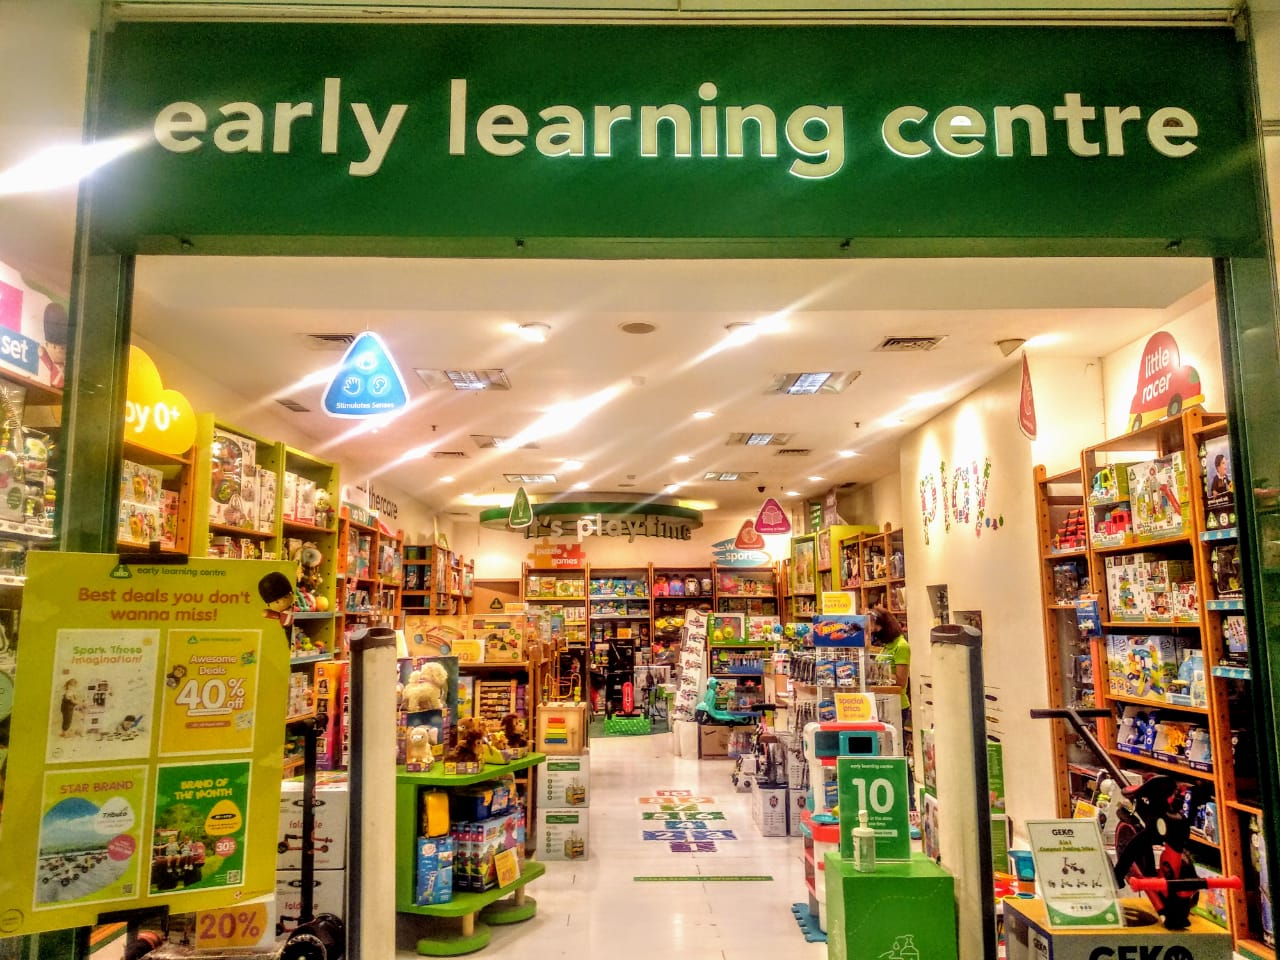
1219	483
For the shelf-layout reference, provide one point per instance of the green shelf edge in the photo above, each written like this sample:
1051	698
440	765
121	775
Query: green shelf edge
464	902
436	777
454	944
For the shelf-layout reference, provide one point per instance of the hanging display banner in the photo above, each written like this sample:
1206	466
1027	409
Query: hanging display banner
1026	403
748	538
1074	873
772	519
1165	387
144	766
355	137
367	383
521	514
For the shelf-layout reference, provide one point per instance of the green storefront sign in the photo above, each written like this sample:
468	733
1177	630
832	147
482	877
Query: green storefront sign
466	137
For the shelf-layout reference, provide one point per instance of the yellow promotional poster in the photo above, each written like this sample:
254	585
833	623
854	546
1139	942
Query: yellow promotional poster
855	707
155	417
838	603
145	759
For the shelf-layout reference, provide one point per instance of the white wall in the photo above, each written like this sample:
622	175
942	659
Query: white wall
992	569
1193	322
876	503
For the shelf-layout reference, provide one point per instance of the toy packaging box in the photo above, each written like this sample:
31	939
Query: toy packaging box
1109	485
1235	639
563	833
267	482
565	782
234	467
1112	524
1136	731
331	680
332	807
1219	483
1224	564
329	895
1143	666
478	843
289	504
769	809
434	870
1212	904
1158	496
562	729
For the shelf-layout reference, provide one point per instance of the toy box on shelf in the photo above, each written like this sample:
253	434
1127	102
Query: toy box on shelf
1158	496
1219	483
1111	517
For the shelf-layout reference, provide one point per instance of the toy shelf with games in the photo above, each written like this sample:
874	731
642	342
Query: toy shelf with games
1064	582
802	582
1155	567
875	564
309	531
827	556
676	590
620	622
370	571
749	590
504	872
236	493
417	566
156	494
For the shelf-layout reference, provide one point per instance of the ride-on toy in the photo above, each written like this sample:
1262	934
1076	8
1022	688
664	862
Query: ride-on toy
1151	814
707	711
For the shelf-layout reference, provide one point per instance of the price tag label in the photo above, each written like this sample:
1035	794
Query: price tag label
855	707
244	925
877	785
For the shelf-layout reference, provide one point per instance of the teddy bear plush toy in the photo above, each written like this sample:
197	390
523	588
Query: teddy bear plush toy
513	728
418	746
471	743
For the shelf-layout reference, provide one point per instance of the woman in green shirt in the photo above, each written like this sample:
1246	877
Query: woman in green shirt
886	635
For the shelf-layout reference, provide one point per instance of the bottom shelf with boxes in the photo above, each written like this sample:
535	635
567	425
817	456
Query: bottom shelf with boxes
460	841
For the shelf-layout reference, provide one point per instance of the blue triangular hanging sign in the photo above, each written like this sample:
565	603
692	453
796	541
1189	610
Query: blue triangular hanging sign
368	382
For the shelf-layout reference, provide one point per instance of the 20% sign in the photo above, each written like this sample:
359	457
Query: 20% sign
239	926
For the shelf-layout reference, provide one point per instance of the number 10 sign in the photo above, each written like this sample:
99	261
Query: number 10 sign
877	785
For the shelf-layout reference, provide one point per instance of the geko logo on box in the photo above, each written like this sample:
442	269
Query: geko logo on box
1153	951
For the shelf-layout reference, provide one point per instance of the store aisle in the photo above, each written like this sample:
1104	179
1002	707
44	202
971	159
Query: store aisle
597	908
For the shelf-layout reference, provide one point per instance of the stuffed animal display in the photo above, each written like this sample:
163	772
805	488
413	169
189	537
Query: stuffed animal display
426	689
419	747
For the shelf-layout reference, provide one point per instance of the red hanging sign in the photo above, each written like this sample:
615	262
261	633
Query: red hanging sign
772	519
1026	403
748	537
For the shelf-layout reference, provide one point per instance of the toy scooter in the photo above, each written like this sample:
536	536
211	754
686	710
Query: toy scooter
1150	815
707	711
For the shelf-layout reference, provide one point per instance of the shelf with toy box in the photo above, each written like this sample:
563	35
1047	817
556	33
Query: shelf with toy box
308	523
540	584
1151	562
620	622
460	853
883	572
156	495
676	590
236	493
417	564
828	561
1226	643
803	581
749	590
390	573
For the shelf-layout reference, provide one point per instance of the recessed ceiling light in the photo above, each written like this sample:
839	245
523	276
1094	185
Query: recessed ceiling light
793	493
637	327
492	379
682	458
533	332
570	465
446	479
529	477
581	485
672	488
727	476
759	439
846	453
808	383
816	479
703	415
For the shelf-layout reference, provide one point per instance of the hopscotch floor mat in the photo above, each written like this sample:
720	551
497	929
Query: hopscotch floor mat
686	822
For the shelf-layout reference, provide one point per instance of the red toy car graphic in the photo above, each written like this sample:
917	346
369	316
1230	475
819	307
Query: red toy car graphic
1165	386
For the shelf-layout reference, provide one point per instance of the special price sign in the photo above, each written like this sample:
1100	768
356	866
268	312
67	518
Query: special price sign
210	687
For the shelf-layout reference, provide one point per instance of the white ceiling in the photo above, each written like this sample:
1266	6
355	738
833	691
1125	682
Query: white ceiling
243	322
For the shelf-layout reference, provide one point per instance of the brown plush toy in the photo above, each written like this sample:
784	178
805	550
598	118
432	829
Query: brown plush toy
470	745
513	728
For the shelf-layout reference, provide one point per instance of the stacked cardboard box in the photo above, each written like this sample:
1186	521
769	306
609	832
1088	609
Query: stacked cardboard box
564	790
328	843
141	504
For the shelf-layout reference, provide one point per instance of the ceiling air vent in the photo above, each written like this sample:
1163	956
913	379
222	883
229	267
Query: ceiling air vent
449	455
329	341
728	476
794	452
908	344
294	405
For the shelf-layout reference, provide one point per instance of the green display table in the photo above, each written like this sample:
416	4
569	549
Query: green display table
476	911
902	911
1029	937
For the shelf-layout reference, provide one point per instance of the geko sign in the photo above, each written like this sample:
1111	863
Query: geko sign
1165	387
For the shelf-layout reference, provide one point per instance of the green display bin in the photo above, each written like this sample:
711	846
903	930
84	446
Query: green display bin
626	726
902	911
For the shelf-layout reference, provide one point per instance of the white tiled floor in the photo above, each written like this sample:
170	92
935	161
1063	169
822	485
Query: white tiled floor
595	909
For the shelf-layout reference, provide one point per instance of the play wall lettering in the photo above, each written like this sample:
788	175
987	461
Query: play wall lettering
958	496
709	125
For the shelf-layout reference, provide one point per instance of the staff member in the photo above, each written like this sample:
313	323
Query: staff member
886	635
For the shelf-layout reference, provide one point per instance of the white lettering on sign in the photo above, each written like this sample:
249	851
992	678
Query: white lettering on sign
707	128
140	416
595	525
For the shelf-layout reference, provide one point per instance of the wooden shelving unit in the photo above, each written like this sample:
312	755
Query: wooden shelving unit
1140	596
